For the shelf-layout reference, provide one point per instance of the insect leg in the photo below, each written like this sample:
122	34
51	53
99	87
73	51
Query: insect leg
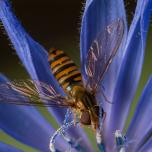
105	97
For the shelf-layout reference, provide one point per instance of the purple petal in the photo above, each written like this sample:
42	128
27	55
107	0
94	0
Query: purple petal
33	55
27	125
97	15
140	128
6	148
3	78
35	59
146	137
147	147
130	69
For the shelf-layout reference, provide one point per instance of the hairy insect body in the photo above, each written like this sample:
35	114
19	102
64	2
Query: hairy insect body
69	78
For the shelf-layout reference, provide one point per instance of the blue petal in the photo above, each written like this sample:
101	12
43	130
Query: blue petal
140	128
6	148
33	55
146	137
3	78
146	147
27	125
97	15
130	70
34	58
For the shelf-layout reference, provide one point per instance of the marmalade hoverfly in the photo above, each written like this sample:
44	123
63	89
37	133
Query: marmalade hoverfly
80	96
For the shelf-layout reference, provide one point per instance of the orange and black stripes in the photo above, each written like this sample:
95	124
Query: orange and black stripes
63	68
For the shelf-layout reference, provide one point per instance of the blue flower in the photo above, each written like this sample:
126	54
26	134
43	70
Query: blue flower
27	125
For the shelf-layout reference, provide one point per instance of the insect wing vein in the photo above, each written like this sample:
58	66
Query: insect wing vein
101	53
32	93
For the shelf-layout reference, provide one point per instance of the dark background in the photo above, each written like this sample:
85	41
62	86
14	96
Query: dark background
51	23
56	23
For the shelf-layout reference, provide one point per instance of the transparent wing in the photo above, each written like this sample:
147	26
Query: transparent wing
31	93
101	53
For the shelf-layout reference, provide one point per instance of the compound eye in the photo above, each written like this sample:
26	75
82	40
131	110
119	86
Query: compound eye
85	118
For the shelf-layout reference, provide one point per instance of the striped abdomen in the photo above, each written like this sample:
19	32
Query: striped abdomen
64	69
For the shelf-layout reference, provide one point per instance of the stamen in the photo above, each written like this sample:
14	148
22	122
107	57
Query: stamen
120	141
58	132
74	143
62	131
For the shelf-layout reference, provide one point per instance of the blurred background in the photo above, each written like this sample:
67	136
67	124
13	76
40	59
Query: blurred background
56	24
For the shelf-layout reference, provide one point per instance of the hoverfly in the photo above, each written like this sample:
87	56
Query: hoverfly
80	95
